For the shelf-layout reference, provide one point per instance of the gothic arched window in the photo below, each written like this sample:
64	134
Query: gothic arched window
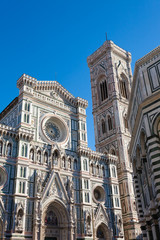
113	172
85	165
24	150
103	126
103	171
103	90
113	152
123	88
97	170
75	164
110	127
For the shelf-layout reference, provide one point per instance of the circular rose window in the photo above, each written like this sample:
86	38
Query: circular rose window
54	129
3	177
99	194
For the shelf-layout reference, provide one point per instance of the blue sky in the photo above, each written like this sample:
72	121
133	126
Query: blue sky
48	38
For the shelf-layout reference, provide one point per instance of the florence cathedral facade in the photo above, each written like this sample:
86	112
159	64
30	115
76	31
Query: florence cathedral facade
52	186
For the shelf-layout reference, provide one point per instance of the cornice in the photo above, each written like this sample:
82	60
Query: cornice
108	46
16	133
87	152
51	85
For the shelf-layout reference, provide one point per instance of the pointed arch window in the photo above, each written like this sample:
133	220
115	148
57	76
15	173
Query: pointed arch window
97	170
110	126
103	171
103	126
75	164
103	90
123	88
85	165
113	152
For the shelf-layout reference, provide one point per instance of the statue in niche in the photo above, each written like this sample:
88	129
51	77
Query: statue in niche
39	182
9	149
88	225
119	224
32	155
70	189
19	222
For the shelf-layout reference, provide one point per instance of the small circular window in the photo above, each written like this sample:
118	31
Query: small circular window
3	177
99	194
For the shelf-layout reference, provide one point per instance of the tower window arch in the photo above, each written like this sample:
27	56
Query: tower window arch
103	90
123	87
103	124
110	125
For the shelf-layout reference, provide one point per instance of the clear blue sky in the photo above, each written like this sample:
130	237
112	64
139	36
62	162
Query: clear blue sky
41	38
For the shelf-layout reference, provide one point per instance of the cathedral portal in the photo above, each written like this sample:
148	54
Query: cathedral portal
102	232
55	225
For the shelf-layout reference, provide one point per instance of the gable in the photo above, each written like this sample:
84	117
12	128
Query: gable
54	188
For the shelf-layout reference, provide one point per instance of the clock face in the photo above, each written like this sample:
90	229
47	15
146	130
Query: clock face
52	131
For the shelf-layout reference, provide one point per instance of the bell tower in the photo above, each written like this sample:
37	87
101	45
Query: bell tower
111	77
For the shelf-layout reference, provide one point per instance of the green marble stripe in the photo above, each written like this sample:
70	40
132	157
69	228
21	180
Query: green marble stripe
155	156
154	149
156	169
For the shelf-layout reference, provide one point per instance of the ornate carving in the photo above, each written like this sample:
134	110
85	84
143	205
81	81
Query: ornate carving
39	180
88	224
70	189
19	217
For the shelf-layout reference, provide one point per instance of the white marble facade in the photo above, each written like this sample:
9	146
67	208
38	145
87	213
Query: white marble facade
52	186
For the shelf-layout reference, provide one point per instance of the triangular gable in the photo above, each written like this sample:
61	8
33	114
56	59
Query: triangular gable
55	188
101	216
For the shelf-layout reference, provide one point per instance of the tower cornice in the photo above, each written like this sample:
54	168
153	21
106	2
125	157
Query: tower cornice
108	46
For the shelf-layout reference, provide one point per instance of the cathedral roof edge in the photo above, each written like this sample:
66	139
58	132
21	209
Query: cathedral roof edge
9	107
